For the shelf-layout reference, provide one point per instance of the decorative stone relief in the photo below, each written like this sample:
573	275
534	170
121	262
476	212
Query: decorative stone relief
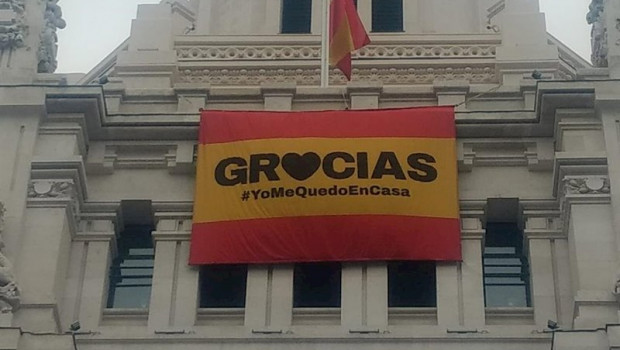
311	76
9	292
13	29
598	35
586	185
49	47
271	52
50	189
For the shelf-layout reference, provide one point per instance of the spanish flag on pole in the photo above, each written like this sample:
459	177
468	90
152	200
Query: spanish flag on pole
346	34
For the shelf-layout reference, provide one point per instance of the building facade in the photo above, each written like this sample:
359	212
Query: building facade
97	180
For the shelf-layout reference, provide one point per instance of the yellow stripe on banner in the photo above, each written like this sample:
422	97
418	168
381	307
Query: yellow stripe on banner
341	43
437	198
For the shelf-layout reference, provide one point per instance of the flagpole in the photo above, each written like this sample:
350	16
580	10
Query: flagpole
325	45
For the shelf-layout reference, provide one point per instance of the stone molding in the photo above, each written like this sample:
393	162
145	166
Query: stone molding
248	76
312	52
535	155
14	30
9	291
176	157
574	185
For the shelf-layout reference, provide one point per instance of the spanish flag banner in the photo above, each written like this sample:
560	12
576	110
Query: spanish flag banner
326	186
347	34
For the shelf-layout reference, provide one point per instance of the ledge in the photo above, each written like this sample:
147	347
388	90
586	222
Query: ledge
509	315
124	317
220	316
316	316
412	315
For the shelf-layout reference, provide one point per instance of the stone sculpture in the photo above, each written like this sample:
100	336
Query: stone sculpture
598	35
9	292
12	33
49	48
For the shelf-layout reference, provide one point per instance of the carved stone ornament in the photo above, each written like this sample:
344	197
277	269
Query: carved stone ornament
9	292
311	76
598	35
48	49
51	189
13	29
55	189
587	185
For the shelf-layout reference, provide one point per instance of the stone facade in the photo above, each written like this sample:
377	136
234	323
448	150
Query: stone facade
127	131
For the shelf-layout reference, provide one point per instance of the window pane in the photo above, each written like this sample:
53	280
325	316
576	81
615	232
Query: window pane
223	286
131	297
317	285
412	284
506	271
502	261
505	296
296	16
387	15
131	272
502	270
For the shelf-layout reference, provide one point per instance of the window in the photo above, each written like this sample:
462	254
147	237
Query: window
223	286
505	263
296	16
387	16
412	284
317	285
131	273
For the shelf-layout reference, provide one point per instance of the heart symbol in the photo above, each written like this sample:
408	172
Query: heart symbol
301	167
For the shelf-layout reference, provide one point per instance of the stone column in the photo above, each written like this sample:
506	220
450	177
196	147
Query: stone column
364	285
608	110
97	252
174	294
592	247
472	283
542	287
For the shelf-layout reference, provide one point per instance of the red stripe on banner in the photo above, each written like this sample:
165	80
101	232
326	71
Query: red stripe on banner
230	126
326	238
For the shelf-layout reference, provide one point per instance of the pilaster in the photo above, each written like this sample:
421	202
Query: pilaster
278	96
524	45
171	277
471	279
451	92
612	20
364	95
150	59
97	246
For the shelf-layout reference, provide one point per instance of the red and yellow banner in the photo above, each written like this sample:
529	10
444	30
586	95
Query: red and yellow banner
326	186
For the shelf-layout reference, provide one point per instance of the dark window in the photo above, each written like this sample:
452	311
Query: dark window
412	284
317	285
387	16
131	273
296	16
223	286
505	263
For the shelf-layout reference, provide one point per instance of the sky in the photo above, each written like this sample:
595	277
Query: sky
96	27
